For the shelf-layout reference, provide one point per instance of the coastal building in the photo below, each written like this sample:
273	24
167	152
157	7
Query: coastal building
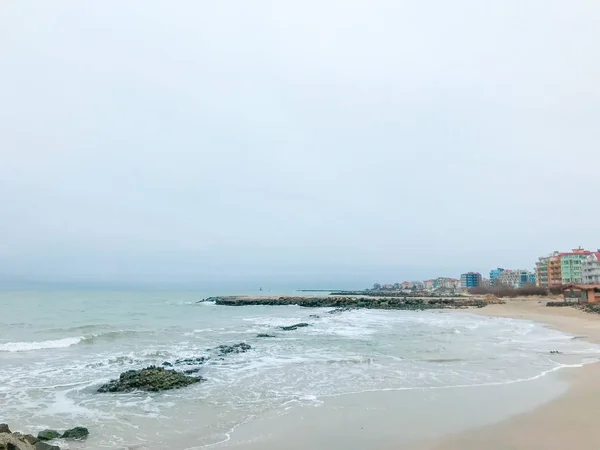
570	265
485	282
590	268
554	271
406	285
429	285
541	271
515	278
494	274
417	286
583	293
561	268
470	280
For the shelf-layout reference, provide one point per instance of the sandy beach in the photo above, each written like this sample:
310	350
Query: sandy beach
569	421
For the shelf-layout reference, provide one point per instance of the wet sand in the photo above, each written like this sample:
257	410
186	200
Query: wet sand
570	421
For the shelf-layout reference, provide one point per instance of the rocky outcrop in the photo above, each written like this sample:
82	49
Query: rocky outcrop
242	347
295	327
77	433
559	304
41	445
156	379
346	302
18	441
48	435
151	379
265	335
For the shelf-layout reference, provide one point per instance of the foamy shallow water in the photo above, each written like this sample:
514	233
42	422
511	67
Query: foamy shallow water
57	348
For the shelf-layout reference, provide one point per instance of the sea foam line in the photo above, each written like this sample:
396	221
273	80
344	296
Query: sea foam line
41	345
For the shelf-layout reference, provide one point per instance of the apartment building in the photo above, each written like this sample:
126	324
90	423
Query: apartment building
590	268
470	280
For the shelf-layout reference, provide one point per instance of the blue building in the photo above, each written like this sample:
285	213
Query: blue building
470	280
494	274
531	278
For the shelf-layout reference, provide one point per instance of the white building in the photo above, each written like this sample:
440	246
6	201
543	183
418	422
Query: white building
590	269
428	285
515	278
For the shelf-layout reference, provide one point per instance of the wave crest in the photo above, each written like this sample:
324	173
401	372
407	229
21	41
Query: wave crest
41	345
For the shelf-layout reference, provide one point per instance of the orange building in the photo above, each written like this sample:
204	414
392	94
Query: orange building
554	271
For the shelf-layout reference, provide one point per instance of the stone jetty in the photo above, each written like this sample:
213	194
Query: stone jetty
349	302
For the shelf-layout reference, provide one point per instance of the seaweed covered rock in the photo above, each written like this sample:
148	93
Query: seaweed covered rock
48	435
152	379
76	433
295	327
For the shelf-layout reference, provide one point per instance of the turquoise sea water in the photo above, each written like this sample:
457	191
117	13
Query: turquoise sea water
57	348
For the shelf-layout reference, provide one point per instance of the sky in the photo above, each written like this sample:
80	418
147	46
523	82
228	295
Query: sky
316	142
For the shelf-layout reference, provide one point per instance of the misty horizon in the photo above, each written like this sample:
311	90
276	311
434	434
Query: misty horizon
268	144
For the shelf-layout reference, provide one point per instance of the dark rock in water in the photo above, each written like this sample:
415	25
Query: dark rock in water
295	327
189	361
167	364
45	446
4	428
314	316
76	433
48	435
242	347
152	379
264	335
555	352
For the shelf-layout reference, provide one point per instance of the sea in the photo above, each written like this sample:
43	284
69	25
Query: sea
344	374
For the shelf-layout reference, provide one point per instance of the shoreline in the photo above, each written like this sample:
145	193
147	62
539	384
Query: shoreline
568	421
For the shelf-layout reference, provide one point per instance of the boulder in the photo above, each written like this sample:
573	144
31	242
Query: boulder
40	445
30	438
295	327
48	435
264	335
76	433
152	379
4	428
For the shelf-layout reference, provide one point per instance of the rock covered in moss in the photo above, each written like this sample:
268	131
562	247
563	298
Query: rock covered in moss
76	433
152	379
48	435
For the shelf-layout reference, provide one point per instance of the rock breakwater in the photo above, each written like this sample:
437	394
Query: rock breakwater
349	302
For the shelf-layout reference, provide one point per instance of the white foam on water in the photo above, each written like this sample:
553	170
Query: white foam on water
30	346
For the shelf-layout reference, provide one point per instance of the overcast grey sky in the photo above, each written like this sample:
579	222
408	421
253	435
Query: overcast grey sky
313	141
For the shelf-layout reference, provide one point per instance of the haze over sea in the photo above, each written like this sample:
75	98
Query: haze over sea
58	347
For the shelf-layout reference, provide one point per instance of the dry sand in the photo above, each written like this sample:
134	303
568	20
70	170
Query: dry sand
568	422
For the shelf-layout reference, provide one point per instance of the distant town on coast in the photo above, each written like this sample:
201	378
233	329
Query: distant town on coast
552	273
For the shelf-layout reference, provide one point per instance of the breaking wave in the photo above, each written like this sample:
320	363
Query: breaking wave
41	345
